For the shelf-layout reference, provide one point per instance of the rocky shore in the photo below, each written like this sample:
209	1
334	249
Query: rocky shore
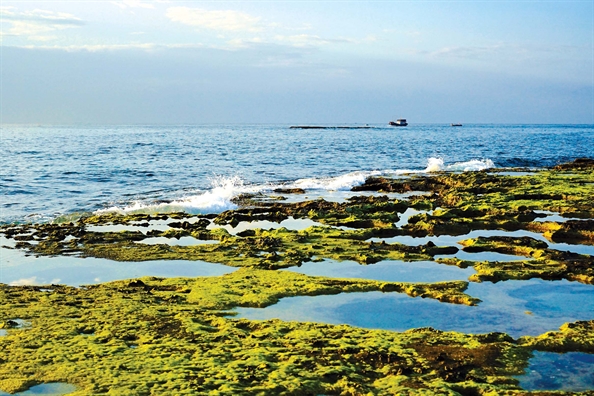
178	335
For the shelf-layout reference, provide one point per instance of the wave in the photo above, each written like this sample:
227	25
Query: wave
220	196
215	200
437	165
338	183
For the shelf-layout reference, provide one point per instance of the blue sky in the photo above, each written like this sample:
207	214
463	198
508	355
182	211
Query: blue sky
172	62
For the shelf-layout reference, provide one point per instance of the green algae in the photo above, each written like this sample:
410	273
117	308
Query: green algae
165	336
572	337
178	336
544	263
266	287
276	248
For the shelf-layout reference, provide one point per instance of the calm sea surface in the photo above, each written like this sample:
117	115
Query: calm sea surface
57	170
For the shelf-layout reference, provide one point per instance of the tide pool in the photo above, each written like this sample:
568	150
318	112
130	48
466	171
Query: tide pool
515	307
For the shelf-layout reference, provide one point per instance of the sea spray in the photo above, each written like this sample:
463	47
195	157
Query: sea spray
215	200
97	170
434	165
223	189
472	165
437	164
340	183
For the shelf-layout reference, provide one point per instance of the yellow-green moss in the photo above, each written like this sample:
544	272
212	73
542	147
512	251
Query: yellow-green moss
165	336
177	336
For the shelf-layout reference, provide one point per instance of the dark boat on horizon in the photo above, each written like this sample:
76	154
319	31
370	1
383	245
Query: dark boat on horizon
398	122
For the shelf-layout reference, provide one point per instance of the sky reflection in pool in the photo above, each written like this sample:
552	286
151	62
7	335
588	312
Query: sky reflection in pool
484	256
403	217
573	371
54	389
553	216
124	227
290	224
449	240
18	269
515	307
183	241
341	196
391	271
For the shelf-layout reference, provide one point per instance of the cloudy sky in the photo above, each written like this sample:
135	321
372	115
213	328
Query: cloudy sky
177	62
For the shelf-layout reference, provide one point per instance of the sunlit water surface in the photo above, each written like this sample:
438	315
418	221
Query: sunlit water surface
57	171
514	307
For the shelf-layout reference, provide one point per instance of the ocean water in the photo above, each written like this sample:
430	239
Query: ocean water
52	171
48	171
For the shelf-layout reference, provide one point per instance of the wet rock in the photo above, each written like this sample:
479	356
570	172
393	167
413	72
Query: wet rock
289	190
9	324
577	164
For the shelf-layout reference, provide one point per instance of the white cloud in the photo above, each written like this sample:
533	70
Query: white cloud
133	4
40	16
111	47
24	281
244	43
468	52
32	281
504	51
37	23
225	20
308	40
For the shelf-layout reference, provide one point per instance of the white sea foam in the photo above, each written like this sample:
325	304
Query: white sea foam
215	200
437	164
434	165
338	183
472	165
223	189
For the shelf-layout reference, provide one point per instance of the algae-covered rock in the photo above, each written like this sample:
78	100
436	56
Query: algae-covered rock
178	336
577	164
543	262
14	385
164	336
577	336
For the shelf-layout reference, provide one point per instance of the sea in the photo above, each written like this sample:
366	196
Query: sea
51	171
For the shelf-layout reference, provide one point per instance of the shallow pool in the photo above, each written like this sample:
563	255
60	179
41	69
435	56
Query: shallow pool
515	307
388	270
16	268
290	224
183	241
573	372
54	389
449	240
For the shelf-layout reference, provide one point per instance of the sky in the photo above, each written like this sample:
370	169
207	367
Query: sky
327	62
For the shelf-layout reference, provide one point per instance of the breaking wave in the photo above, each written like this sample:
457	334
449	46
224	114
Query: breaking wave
340	183
219	197
215	200
437	164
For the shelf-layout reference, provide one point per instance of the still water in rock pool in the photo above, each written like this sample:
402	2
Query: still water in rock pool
573	371
388	270
20	269
452	240
51	389
514	307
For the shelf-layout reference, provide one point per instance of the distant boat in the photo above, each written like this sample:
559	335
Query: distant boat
456	124
398	122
